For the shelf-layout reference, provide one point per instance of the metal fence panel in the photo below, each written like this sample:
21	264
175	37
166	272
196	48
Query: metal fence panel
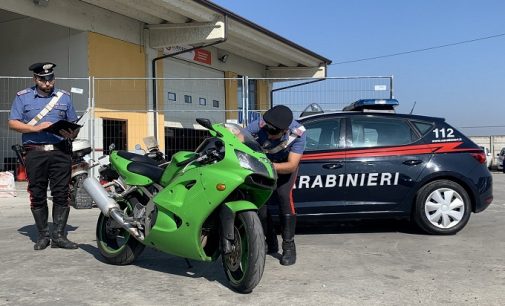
122	110
331	93
125	113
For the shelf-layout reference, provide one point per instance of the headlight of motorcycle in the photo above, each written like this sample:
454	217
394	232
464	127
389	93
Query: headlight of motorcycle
252	163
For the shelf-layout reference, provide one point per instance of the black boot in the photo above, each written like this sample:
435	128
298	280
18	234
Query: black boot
40	215
60	217
288	223
268	230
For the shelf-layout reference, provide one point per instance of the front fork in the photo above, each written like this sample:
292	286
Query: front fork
227	224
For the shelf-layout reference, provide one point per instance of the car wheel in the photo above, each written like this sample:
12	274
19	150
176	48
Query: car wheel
442	208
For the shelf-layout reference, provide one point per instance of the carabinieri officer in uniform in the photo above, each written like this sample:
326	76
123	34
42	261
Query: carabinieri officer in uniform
48	156
283	141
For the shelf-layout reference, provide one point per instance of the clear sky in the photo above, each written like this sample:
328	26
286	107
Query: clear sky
464	83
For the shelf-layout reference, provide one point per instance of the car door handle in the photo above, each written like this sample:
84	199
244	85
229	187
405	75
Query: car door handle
332	166
412	162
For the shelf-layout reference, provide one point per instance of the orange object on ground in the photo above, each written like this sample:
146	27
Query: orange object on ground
21	173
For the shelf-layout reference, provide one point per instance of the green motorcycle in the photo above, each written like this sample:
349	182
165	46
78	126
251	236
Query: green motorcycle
201	205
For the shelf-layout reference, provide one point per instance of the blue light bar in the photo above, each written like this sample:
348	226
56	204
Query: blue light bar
372	104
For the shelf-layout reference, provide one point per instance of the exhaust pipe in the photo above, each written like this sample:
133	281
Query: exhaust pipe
100	196
108	206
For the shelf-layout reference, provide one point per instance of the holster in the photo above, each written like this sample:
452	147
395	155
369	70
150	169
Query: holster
20	153
65	146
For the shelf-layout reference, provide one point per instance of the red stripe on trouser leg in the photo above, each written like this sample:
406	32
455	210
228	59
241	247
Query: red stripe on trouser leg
291	202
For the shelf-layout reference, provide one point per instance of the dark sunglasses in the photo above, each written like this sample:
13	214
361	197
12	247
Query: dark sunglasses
49	78
272	130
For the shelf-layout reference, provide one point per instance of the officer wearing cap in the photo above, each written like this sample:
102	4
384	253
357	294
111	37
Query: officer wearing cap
283	140
48	156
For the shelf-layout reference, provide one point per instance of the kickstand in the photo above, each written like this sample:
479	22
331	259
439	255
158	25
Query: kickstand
188	263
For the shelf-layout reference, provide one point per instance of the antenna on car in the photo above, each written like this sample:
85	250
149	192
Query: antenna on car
412	110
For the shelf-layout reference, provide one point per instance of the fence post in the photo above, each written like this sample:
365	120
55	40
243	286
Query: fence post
92	122
245	100
391	96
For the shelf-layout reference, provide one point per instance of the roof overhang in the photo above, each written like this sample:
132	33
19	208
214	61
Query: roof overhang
200	22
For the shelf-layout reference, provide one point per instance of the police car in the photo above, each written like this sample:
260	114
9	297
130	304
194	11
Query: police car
370	162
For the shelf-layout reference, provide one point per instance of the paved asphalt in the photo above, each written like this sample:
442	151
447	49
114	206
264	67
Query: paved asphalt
365	263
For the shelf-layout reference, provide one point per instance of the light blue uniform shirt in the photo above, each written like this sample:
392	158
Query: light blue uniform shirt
297	146
28	104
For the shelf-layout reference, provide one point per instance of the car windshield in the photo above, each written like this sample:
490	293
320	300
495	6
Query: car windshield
244	135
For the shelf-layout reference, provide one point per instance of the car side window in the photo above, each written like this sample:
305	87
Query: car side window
423	127
323	135
369	131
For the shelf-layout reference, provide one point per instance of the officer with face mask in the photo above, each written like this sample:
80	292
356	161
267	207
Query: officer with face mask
283	140
48	156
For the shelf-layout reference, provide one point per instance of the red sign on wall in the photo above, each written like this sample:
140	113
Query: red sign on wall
202	56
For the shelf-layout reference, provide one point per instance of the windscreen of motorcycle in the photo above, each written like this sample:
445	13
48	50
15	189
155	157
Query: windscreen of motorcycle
244	135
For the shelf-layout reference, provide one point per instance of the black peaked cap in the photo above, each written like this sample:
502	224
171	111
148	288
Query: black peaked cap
42	69
280	116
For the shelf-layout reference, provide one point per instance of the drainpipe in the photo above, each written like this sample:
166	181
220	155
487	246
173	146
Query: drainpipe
153	69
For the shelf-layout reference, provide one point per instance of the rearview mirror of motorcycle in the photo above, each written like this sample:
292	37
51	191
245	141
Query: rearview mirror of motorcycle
208	125
112	146
139	150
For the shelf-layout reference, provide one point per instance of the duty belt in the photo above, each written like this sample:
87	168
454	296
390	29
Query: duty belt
41	147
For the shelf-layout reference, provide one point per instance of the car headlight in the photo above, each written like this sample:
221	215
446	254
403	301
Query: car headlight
251	163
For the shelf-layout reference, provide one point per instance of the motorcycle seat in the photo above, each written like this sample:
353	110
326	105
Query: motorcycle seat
137	158
153	172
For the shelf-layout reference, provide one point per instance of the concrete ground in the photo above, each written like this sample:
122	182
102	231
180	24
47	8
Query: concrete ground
366	263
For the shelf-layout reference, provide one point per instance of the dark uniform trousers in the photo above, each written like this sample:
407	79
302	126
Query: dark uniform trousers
48	167
51	168
282	197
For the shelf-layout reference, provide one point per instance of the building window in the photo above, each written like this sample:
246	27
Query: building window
202	101
114	132
172	96
215	103
188	99
253	105
253	108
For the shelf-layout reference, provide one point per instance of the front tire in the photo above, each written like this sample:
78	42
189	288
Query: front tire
442	208
116	245
245	264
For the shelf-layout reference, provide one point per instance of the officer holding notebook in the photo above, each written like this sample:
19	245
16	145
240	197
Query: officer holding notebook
48	154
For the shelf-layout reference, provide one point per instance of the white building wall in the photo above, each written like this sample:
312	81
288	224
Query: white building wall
80	16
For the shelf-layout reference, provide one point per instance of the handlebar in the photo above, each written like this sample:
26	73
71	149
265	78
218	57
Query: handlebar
189	160
208	155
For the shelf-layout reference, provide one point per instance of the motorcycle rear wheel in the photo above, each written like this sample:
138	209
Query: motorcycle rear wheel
245	264
116	245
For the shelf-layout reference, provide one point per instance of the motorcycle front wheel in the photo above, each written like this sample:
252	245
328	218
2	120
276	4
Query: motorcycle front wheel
115	243
245	264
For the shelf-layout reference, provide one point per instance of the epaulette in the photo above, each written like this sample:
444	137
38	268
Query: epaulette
64	91
22	92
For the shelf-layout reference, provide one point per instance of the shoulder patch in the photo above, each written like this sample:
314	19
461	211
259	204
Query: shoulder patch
299	130
22	92
65	92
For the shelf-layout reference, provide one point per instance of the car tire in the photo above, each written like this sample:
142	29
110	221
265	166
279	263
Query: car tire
442	208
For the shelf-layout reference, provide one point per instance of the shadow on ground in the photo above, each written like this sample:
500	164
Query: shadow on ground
161	262
31	230
361	226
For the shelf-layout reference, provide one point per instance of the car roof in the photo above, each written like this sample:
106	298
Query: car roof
369	112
